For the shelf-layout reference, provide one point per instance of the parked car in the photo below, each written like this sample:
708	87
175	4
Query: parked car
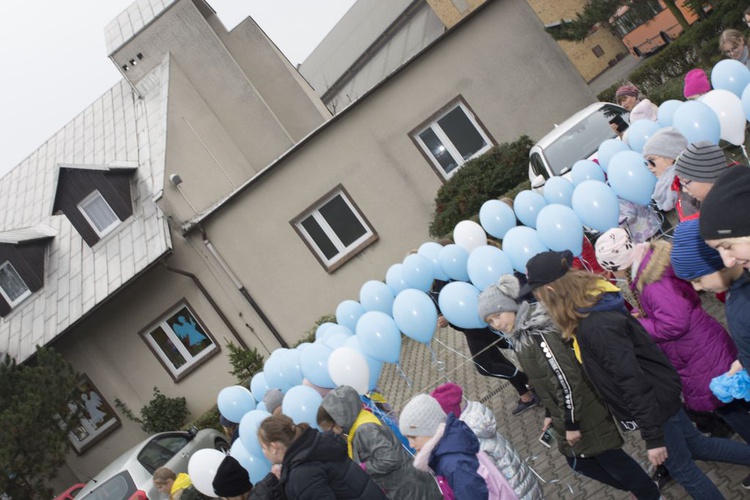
129	476
71	492
577	138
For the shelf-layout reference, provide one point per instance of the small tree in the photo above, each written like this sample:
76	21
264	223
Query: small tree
34	421
309	335
161	414
245	362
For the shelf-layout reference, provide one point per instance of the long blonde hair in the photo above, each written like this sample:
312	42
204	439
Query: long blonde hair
564	296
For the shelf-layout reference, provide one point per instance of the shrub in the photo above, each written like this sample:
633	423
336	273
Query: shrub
245	362
309	335
486	177
161	414
209	420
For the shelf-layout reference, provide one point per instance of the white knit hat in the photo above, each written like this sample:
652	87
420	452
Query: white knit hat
421	416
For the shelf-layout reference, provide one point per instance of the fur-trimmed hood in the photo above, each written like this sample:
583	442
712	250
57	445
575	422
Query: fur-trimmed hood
531	321
656	262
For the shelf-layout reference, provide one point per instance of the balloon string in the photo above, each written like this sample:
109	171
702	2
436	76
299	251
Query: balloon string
439	365
403	375
744	152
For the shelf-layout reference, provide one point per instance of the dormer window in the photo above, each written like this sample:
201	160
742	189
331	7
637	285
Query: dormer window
98	213
12	286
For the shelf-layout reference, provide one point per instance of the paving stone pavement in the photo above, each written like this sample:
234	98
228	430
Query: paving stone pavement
449	361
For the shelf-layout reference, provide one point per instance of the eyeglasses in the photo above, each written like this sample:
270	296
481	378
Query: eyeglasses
685	182
650	162
729	52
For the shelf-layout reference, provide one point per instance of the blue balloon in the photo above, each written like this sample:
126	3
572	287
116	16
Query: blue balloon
520	244
261	406
322	329
337	340
486	264
234	401
259	386
248	430
453	259
586	170
415	315
731	75
348	313
303	346
418	273
630	179
607	150
527	206
314	365
560	229
301	404
395	278
373	365
274	370
291	370
639	132
257	466
596	205
558	190
431	250
666	112
459	304
697	122
379	336
376	296
496	218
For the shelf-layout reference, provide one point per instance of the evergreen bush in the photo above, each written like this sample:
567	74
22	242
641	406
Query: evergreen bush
161	414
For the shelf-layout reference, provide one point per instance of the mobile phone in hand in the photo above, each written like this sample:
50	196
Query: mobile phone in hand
546	438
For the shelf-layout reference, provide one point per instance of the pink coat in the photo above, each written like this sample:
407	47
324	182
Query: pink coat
696	344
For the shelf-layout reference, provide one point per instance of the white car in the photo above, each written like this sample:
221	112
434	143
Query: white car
129	476
577	138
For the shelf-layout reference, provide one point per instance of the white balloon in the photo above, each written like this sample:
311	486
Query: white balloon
728	108
202	469
346	366
469	235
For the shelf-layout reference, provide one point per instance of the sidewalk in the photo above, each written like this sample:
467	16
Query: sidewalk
524	430
615	74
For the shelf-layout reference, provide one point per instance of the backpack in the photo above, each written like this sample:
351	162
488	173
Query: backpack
497	486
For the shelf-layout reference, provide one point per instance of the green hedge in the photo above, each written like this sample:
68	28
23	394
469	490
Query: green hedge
489	176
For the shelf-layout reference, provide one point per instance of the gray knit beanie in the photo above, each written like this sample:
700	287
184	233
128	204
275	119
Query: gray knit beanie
421	416
667	142
701	162
500	297
273	399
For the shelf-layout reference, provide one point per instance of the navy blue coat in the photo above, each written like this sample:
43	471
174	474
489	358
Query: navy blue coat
738	317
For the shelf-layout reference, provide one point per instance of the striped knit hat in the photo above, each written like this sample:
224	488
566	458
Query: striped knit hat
701	162
691	256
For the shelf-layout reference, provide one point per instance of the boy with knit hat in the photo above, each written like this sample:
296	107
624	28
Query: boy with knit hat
725	224
693	260
445	445
273	400
698	167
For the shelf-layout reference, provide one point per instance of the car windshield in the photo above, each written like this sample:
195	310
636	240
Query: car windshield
582	140
119	487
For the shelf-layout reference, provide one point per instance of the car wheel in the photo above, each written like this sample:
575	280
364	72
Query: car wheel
222	445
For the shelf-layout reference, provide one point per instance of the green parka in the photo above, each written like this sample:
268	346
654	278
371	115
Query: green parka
559	380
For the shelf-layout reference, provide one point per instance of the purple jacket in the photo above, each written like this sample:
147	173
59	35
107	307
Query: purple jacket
696	344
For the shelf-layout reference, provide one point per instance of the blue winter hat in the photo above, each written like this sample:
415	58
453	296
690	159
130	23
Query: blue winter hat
691	256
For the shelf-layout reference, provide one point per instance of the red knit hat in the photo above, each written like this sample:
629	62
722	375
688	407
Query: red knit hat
449	396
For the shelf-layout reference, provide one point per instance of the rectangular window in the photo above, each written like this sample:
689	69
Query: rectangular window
12	287
452	138
334	229
180	341
98	213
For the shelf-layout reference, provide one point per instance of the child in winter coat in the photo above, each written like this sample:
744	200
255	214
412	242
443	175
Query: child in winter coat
483	423
374	446
592	444
634	377
446	446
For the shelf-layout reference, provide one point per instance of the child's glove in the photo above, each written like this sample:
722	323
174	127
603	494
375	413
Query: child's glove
728	387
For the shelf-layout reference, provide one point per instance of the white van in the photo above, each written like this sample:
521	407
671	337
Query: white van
577	138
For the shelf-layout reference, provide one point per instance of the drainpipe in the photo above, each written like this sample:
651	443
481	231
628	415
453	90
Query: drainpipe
210	300
243	290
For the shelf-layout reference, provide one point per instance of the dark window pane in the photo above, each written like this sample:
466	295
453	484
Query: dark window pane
438	150
342	220
167	347
11	282
462	133
320	238
190	333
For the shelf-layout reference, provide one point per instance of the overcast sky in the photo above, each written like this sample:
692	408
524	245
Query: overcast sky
54	63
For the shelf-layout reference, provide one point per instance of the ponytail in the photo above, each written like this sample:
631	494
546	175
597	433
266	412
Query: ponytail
281	429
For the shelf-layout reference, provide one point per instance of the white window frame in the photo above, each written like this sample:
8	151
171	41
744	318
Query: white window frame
82	207
343	251
433	124
190	360
21	297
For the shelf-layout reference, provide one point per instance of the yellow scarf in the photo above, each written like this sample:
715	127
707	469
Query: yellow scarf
181	482
602	286
364	417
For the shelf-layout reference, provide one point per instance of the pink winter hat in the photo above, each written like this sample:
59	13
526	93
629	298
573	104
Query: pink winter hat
449	396
696	82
